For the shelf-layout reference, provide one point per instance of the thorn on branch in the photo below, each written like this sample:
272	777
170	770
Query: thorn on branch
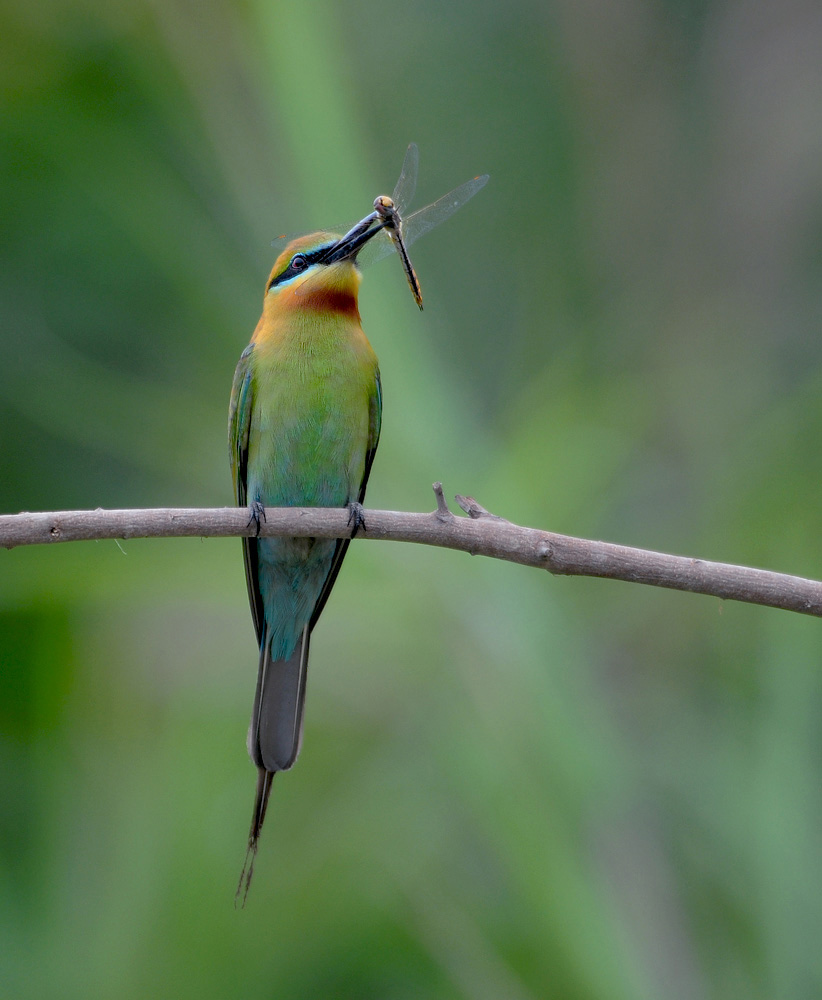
442	512
475	510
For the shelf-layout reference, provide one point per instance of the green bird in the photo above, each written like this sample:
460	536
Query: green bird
304	423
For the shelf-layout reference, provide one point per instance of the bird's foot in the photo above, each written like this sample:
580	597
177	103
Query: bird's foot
356	516
257	516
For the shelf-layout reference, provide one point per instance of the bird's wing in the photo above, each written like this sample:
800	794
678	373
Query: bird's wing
374	424
239	424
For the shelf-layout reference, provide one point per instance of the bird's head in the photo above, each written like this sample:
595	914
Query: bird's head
318	271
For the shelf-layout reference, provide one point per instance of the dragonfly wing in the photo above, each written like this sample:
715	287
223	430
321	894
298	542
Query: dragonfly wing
406	186
424	220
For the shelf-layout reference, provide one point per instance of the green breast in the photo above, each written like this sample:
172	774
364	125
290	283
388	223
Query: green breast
313	389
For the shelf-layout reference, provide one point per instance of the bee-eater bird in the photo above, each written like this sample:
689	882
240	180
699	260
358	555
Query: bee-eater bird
304	423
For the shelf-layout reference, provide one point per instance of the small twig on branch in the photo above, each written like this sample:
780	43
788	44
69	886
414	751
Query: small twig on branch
443	513
481	533
474	509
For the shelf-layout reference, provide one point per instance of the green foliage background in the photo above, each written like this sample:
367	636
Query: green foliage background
511	785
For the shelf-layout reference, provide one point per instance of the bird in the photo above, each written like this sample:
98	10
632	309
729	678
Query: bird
303	427
304	423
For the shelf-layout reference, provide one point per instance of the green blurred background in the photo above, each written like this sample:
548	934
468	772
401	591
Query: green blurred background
511	785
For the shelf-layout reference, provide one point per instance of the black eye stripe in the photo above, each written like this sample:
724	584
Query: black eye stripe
310	257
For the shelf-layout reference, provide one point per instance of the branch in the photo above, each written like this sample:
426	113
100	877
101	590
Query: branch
480	533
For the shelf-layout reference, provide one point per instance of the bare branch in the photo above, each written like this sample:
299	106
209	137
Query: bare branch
481	533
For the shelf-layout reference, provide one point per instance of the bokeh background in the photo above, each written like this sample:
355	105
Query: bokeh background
511	785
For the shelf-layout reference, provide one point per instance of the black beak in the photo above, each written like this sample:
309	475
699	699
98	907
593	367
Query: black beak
355	239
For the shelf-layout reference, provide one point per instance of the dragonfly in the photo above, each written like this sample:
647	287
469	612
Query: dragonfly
386	209
401	232
398	231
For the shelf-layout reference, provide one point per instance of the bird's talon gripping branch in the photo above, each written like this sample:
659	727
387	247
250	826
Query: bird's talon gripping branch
257	516
356	516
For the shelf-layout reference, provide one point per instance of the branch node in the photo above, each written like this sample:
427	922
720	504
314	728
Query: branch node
442	512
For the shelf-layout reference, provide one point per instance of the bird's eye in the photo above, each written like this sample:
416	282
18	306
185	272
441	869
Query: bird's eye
298	262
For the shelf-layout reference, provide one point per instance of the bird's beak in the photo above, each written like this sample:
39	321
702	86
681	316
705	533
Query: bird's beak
355	239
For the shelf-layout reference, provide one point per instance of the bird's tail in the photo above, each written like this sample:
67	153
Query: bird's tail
264	780
275	733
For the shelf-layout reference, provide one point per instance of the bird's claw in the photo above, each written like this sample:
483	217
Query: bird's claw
356	516
257	516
